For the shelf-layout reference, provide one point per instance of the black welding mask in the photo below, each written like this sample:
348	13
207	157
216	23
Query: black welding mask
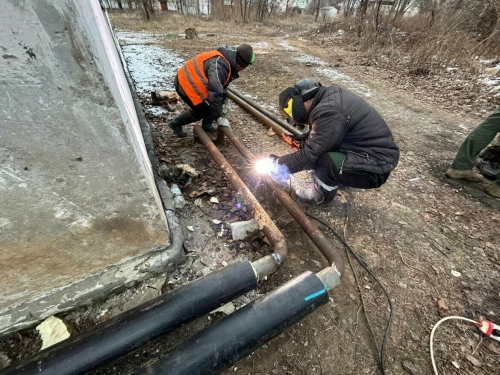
291	100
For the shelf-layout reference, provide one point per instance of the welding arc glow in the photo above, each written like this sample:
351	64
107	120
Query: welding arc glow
264	166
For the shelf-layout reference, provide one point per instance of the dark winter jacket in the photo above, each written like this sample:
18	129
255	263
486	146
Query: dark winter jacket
341	121
217	70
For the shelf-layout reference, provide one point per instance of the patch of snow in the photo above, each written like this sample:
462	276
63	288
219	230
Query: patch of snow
331	74
157	110
310	60
151	67
492	82
287	46
340	78
127	38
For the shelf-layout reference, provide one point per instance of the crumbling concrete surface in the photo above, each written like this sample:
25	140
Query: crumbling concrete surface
80	214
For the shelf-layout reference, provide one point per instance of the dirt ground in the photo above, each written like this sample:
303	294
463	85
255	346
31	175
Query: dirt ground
434	243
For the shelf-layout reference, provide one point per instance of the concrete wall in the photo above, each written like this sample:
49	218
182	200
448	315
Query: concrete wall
79	211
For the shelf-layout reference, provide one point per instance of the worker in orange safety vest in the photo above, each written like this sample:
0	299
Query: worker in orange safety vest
202	82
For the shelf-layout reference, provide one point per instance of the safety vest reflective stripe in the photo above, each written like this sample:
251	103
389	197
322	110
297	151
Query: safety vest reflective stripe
192	78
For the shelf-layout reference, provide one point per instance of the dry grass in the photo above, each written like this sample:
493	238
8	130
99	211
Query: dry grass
411	41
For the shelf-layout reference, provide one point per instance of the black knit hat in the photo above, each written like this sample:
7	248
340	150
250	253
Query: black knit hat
245	55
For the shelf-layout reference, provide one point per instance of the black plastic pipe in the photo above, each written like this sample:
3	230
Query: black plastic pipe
140	325
218	347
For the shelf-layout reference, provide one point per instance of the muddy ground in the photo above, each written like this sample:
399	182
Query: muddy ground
434	243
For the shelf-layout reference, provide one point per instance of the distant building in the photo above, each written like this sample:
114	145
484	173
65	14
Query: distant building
328	13
193	7
299	5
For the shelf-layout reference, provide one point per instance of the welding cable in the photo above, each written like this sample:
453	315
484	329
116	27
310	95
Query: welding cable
364	265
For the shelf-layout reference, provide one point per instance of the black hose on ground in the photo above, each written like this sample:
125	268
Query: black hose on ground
367	269
218	347
140	325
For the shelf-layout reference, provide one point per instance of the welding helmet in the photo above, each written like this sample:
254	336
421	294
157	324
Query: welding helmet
308	87
291	100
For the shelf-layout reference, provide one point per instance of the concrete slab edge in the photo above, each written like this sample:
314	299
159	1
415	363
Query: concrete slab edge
103	283
97	286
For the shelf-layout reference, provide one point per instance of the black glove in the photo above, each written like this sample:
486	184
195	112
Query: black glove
300	137
274	158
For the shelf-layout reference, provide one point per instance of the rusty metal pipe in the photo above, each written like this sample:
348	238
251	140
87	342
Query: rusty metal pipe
267	114
259	115
318	238
272	232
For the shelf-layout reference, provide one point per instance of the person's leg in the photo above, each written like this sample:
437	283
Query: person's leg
327	171
207	124
195	113
467	154
327	179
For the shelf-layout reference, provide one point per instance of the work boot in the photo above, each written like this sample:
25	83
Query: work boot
493	190
207	125
316	194
177	129
177	123
467	174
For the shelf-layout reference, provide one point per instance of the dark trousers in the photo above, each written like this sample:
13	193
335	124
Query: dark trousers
327	171
477	141
200	111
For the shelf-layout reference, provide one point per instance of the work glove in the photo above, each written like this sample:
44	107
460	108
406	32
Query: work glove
226	107
297	142
222	121
300	137
280	172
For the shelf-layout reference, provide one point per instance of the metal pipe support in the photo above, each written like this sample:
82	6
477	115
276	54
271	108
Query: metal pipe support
267	115
272	232
280	130
333	257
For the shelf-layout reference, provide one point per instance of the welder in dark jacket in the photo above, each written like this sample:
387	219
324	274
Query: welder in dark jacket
349	143
202	81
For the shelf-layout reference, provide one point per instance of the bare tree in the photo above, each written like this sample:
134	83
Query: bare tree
377	15
363	6
318	5
180	6
286	7
148	9
349	6
261	9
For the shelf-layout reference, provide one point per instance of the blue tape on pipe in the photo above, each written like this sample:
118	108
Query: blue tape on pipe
314	295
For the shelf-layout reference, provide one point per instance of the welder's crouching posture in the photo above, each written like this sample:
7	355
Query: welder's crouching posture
202	81
349	143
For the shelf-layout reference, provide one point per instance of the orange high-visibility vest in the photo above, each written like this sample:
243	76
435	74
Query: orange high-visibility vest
192	78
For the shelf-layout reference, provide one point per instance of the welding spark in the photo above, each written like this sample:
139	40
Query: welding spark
264	166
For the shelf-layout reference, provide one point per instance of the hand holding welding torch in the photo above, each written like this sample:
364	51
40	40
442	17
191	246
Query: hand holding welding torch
273	168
